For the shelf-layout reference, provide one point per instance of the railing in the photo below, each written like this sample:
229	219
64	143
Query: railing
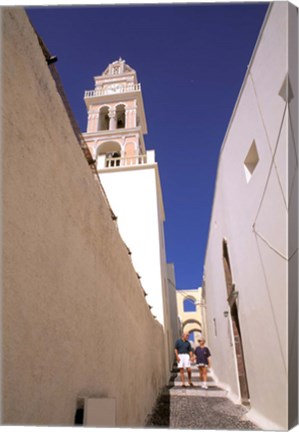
113	162
107	161
121	89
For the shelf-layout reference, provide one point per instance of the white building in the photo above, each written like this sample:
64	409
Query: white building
250	272
130	177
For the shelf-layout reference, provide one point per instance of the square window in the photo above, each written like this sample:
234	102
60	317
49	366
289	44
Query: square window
251	161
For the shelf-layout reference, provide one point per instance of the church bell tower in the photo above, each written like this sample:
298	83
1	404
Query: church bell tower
116	120
130	177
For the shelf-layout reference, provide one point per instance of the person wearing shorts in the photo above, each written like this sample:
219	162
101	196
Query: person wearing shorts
183	354
203	361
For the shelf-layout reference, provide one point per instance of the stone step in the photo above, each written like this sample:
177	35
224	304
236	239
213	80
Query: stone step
192	367
195	380
193	373
212	391
177	370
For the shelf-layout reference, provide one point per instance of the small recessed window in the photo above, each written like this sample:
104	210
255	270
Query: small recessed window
251	161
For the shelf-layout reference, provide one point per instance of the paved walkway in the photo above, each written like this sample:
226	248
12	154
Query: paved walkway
194	408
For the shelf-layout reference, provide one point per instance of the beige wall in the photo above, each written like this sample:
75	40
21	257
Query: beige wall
75	321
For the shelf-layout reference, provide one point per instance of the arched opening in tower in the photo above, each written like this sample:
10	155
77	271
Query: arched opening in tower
112	152
104	118
120	116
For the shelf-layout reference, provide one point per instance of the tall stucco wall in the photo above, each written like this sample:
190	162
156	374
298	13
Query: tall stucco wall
293	219
75	321
252	216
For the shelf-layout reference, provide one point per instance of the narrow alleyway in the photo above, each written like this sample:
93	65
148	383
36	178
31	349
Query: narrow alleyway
195	408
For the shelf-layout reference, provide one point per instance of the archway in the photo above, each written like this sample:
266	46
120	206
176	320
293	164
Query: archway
189	304
112	152
104	118
195	334
191	321
120	116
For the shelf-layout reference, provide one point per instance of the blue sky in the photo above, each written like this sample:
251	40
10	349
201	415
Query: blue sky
191	60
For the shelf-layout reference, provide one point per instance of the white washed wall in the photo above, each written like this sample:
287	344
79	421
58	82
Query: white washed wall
253	218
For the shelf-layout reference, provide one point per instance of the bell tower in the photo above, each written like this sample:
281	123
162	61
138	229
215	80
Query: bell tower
130	177
116	120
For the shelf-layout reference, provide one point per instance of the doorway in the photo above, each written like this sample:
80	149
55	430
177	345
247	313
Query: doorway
231	298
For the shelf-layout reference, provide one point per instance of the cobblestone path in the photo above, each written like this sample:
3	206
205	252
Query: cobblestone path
193	408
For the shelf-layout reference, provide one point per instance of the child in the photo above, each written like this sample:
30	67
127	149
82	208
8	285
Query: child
203	361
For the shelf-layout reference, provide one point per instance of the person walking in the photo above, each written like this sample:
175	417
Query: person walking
203	361
183	353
